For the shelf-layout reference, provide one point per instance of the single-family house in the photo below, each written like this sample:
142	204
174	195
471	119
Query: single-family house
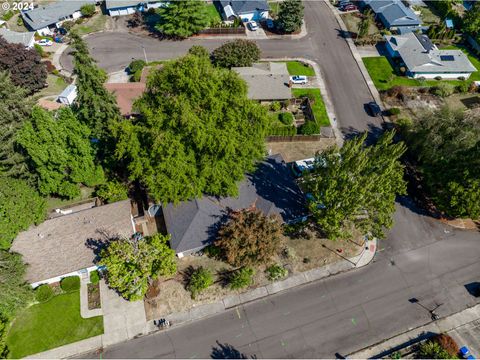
423	59
394	15
271	189
126	94
68	95
266	81
128	7
66	245
45	18
26	39
245	10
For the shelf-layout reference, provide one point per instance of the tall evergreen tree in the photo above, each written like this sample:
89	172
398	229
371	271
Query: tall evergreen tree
60	152
94	106
290	15
356	186
183	18
198	132
15	108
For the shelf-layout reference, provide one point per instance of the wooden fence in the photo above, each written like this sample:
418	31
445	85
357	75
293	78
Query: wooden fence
223	31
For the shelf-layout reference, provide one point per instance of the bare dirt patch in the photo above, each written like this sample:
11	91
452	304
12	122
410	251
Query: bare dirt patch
293	151
93	296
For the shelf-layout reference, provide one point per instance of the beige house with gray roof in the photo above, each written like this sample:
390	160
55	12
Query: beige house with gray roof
65	245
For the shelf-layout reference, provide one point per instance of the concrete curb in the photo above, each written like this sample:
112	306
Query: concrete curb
409	337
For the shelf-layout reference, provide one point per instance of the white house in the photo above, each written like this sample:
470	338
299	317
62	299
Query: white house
67	245
423	59
128	7
68	95
45	18
27	39
245	10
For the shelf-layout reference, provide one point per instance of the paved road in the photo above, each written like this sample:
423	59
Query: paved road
323	44
420	258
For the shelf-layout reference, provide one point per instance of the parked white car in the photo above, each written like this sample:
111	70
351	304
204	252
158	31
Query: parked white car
299	79
45	42
253	25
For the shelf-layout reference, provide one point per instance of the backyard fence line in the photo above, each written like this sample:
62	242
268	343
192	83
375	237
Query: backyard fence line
223	31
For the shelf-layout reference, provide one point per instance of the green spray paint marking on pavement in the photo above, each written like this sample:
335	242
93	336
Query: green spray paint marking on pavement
283	343
354	322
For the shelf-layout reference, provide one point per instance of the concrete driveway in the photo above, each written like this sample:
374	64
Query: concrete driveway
323	44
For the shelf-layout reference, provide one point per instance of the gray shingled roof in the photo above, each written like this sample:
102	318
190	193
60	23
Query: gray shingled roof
24	38
271	188
245	6
59	246
45	15
420	55
393	13
266	81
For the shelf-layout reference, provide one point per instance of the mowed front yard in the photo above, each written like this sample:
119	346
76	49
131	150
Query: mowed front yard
299	68
318	105
51	324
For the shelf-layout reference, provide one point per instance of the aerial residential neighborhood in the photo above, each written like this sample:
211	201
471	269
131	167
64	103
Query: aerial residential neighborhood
240	179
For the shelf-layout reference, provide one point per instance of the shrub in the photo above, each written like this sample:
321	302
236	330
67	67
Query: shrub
276	272
283	130
463	88
286	118
70	283
87	10
213	251
200	279
20	21
94	277
79	21
112	191
462	78
136	65
242	278
68	25
310	128
394	111
275	106
443	89
39	50
238	52
8	15
404	123
50	67
432	350
448	344
43	293
438	78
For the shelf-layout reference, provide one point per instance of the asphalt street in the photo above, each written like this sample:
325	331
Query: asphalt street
420	258
323	44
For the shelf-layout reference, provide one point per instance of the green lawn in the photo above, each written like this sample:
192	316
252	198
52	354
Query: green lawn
94	24
318	106
274	8
56	85
55	202
213	14
299	68
48	325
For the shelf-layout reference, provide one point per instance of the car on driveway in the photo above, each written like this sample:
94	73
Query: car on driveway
298	79
253	26
44	42
348	7
373	109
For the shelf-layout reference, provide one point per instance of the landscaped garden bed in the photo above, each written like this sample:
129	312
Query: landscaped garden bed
93	296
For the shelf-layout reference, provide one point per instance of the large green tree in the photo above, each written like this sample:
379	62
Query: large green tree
447	145
471	20
15	292
24	65
249	238
59	152
133	263
95	106
356	185
198	132
15	108
20	207
183	18
290	15
239	52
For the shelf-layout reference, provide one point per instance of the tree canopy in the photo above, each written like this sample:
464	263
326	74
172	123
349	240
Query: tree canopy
447	145
183	18
356	186
94	105
24	65
132	263
15	108
471	20
250	238
239	52
20	207
290	15
198	132
59	152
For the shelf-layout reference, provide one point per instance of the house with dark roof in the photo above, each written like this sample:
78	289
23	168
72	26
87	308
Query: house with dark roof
26	39
394	15
245	10
266	81
424	60
271	189
65	245
45	18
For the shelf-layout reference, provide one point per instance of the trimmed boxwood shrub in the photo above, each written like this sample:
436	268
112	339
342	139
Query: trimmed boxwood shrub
94	277
43	293
286	118
70	283
136	65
